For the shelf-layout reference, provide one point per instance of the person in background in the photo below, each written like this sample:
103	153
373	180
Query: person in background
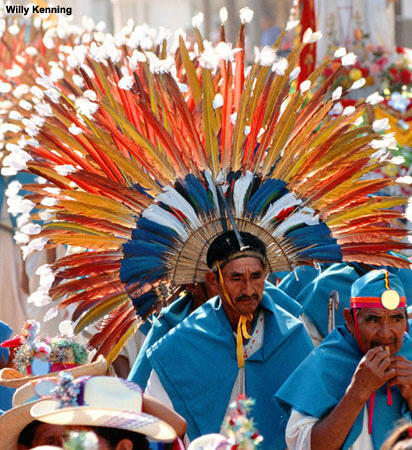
352	389
270	32
115	410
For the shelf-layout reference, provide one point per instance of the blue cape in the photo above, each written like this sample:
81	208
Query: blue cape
314	297
173	314
6	394
196	363
292	286
319	383
283	300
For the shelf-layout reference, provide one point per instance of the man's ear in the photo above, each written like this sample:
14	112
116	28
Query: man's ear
124	444
212	281
347	314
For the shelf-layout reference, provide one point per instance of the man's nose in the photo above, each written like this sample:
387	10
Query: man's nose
385	331
248	288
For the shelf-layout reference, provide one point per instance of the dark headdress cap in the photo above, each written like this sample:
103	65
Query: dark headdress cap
226	247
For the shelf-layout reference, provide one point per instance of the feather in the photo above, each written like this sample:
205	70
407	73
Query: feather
98	311
242	185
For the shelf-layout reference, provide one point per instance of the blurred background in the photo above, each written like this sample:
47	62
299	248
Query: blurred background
175	14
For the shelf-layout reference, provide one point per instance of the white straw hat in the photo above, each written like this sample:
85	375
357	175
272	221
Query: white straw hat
13	421
101	401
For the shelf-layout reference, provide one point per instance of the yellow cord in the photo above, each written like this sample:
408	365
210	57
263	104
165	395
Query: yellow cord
242	332
385	272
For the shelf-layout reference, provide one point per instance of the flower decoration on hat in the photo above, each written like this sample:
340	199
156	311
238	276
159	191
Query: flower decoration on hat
67	391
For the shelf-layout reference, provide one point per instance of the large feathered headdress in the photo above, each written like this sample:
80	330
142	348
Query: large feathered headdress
133	145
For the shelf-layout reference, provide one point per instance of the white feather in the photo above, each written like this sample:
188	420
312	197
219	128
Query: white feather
286	201
162	217
173	199
304	216
239	192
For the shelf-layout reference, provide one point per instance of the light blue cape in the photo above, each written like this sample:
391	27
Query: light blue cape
196	363
172	315
320	382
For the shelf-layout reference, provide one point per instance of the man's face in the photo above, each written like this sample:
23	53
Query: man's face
48	434
244	281
379	327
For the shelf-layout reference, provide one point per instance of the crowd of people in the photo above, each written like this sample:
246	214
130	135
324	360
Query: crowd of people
228	215
348	392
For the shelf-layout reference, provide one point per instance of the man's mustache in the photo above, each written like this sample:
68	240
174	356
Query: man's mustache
245	298
380	343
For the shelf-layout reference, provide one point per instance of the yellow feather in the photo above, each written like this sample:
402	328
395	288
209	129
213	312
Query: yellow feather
91	210
238	132
99	310
98	201
209	120
192	79
115	351
69	226
371	207
88	241
145	143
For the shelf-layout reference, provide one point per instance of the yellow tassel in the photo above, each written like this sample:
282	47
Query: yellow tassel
242	332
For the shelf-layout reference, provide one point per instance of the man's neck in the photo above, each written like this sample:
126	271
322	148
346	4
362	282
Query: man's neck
234	316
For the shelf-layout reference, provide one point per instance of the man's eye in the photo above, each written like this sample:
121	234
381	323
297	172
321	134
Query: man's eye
397	318
372	319
53	440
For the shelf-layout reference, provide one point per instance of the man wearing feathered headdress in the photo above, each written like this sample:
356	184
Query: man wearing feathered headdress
350	391
237	342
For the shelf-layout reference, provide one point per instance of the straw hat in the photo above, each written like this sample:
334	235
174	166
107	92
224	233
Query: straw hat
13	379
211	441
13	421
101	401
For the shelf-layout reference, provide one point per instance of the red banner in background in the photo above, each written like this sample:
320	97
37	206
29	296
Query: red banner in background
308	55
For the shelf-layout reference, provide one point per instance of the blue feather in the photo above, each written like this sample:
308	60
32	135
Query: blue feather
197	193
141	268
307	235
139	234
323	253
155	228
143	248
269	191
145	303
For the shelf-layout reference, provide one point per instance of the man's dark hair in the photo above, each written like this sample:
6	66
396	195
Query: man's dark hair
26	436
226	244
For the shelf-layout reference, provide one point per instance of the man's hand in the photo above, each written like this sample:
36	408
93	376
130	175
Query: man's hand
402	377
373	370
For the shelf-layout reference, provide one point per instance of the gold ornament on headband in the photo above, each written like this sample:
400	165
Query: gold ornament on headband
390	299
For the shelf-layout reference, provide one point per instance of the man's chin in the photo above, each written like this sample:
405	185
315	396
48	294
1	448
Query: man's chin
246	307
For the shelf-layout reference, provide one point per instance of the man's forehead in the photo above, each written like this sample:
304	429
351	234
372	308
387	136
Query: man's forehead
243	265
381	311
